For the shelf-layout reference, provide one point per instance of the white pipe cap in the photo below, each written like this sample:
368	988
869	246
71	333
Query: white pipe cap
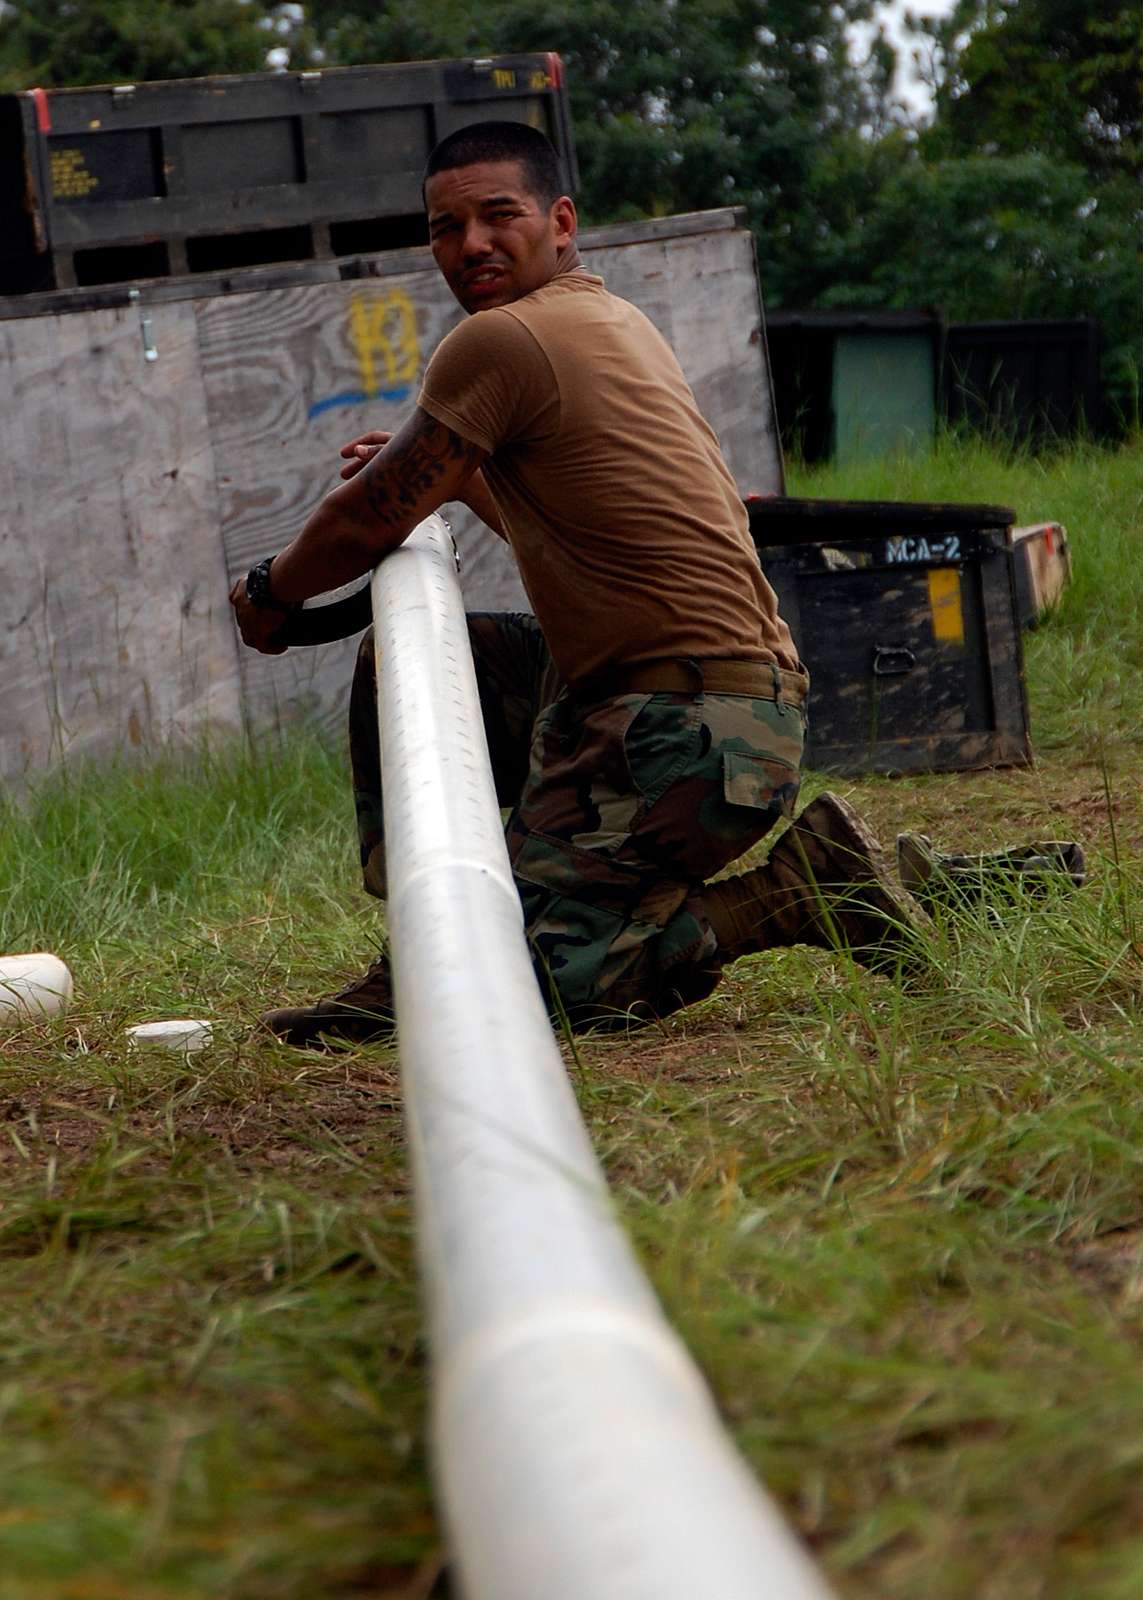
185	1035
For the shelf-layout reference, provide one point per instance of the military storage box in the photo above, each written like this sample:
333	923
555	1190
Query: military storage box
145	180
906	617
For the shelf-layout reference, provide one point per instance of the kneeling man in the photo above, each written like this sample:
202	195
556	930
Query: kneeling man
646	724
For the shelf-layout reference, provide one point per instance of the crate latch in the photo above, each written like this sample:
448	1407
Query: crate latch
149	351
892	660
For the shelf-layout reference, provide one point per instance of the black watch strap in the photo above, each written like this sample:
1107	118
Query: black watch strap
258	590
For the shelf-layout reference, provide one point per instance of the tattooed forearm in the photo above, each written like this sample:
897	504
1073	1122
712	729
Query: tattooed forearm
417	461
420	468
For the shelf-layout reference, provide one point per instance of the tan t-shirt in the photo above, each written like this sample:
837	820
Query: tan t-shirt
631	537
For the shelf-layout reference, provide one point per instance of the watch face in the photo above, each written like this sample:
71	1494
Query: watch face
258	584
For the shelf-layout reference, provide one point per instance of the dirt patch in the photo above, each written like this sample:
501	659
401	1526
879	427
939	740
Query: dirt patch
303	1120
1112	1262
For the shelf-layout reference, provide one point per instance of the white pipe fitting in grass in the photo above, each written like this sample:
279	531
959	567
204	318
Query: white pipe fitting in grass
578	1453
34	986
183	1036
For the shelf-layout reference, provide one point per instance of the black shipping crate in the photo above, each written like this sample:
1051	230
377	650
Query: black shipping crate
1036	381
105	184
905	616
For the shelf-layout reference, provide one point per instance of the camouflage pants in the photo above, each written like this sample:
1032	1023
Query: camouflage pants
620	809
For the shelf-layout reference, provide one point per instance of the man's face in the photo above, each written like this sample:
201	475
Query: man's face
492	239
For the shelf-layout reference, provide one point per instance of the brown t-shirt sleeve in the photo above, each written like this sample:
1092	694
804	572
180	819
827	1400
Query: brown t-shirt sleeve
489	381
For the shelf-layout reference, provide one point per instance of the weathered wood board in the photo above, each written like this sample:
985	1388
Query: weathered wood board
701	292
287	373
1043	569
134	490
114	625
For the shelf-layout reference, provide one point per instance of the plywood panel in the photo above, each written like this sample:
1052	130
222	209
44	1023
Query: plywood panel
701	292
718	335
291	375
114	633
134	491
639	273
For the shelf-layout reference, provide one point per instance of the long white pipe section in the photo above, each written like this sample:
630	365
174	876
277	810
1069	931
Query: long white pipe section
578	1454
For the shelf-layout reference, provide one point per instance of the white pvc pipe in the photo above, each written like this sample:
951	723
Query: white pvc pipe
578	1454
33	986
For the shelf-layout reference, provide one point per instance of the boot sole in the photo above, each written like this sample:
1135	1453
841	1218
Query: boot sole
897	923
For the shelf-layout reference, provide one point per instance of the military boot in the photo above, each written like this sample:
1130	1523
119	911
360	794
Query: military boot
1036	868
361	1013
826	882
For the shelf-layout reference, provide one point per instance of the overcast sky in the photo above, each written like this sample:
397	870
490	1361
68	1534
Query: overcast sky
889	14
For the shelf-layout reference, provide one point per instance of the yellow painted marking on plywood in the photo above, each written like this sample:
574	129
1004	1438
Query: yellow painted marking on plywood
383	329
944	603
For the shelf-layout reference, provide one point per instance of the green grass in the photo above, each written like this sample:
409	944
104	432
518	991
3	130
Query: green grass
901	1230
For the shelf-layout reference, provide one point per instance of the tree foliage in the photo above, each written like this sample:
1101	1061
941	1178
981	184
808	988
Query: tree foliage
1025	198
973	235
56	43
1061	78
676	106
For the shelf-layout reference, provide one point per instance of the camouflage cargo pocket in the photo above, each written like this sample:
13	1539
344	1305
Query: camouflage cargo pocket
759	782
661	742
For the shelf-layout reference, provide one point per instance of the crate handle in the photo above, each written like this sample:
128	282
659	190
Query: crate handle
892	660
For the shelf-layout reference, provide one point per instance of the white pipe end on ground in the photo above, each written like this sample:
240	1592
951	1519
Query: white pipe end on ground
34	986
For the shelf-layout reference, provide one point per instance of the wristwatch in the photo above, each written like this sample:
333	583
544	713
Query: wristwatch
258	590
